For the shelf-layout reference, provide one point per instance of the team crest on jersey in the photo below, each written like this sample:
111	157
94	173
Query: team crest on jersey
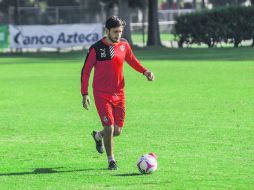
103	52
105	119
122	47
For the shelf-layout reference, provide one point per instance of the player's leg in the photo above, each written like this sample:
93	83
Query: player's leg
119	114
108	140
104	109
100	134
109	146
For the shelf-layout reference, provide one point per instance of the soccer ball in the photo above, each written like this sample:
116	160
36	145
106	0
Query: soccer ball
147	163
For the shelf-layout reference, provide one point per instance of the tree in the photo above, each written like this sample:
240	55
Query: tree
4	5
141	4
178	4
203	4
124	14
62	3
194	4
153	25
218	3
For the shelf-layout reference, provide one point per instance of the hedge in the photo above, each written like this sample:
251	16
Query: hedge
228	24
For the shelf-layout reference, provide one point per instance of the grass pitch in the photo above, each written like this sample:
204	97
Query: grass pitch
197	116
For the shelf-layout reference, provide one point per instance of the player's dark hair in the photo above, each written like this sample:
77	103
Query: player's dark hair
114	21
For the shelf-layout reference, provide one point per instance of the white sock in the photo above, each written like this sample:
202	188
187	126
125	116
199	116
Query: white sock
98	136
111	158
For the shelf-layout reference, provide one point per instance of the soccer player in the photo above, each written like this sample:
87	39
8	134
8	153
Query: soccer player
107	57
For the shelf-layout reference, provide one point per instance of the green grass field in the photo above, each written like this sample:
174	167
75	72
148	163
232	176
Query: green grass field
197	116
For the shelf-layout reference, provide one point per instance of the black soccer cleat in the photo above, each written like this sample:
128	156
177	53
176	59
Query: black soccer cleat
99	145
112	165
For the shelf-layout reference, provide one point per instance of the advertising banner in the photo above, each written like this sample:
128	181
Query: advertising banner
55	36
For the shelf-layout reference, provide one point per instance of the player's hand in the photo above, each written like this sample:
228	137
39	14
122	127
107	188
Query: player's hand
86	102
149	75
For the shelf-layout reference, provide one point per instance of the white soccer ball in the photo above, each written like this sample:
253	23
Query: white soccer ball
147	163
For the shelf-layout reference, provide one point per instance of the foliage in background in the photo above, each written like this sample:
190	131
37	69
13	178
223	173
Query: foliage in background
228	24
220	3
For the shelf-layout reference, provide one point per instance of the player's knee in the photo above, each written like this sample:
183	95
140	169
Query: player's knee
117	131
108	130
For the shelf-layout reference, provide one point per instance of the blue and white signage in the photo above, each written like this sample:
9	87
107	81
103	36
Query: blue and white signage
55	36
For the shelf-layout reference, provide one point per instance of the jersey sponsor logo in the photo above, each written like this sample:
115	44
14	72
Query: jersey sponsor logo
122	47
103	52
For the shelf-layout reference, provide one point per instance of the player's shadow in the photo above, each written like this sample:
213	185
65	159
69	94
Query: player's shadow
47	171
128	174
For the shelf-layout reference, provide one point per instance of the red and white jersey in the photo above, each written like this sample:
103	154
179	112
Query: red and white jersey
107	60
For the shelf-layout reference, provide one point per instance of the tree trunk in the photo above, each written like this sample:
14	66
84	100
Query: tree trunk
124	14
203	4
194	4
178	4
153	25
252	2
